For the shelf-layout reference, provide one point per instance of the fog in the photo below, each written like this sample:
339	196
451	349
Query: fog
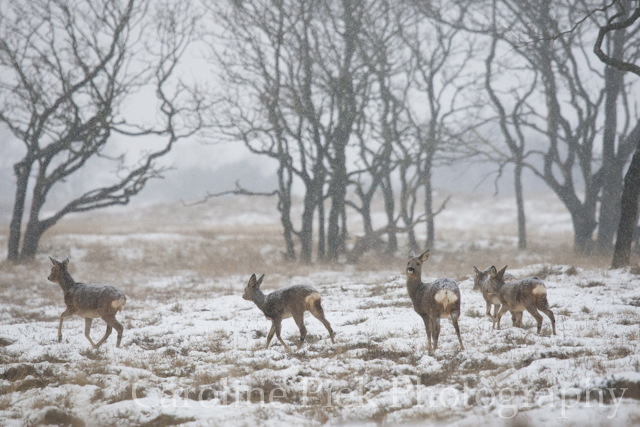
198	167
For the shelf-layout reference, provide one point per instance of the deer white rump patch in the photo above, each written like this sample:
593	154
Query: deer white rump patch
539	289
445	297
310	300
118	303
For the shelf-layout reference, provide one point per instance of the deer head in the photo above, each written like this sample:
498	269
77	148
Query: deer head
496	279
414	265
253	287
59	270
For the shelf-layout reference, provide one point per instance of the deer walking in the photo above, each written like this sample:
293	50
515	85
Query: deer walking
517	296
88	301
433	301
291	301
481	284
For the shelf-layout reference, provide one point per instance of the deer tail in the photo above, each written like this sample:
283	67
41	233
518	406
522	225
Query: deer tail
117	304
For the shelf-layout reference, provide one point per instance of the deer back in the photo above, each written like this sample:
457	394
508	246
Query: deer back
519	294
94	300
285	301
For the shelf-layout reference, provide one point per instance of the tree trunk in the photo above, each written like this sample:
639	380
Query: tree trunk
583	226
389	208
337	191
343	231
22	171
428	211
321	233
32	236
522	225
35	227
284	206
612	171
306	229
411	234
629	212
365	212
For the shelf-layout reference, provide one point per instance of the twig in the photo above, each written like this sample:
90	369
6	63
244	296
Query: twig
239	191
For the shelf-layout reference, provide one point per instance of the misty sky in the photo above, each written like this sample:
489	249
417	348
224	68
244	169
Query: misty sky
199	168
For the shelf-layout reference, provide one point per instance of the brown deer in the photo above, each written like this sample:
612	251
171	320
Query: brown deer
88	301
433	301
481	284
527	294
291	301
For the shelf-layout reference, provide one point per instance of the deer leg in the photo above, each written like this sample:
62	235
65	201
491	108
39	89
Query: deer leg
427	326
496	309
544	307
299	319
109	321
318	313
534	312
489	309
87	331
66	313
112	323
278	325
454	320
436	332
119	329
106	335
270	335
501	313
517	318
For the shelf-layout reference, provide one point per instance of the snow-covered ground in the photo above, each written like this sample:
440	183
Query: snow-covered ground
193	350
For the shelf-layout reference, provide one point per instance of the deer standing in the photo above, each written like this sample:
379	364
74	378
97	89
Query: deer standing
481	284
527	294
291	301
88	301
433	301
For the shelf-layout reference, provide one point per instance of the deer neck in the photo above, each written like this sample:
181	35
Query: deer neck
413	284
66	282
259	299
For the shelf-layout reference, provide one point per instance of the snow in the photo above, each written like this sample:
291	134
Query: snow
193	348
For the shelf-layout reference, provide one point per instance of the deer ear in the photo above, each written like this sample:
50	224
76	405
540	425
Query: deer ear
252	280
492	271
54	261
412	254
65	262
478	272
425	255
501	272
260	281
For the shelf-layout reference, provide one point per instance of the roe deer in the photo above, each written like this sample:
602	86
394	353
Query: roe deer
527	294
481	284
433	301
88	301
291	301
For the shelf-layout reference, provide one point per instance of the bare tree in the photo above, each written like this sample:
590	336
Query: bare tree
345	79
439	74
511	107
619	23
293	86
67	70
574	92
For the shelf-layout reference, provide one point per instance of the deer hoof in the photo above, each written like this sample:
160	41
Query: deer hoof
60	338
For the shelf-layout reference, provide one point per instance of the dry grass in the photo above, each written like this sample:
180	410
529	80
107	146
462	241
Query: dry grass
188	239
